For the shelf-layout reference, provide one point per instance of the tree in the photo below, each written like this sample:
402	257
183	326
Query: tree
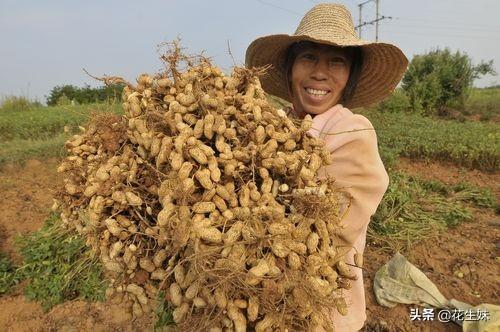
84	95
441	79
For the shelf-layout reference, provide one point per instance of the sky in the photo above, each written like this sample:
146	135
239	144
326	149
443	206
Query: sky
48	43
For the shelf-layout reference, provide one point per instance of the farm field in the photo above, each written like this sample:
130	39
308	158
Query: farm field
448	169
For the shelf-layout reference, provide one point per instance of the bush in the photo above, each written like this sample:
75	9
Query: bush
441	79
397	102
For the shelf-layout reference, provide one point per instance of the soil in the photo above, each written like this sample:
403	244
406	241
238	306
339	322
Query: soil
450	174
463	262
25	201
18	314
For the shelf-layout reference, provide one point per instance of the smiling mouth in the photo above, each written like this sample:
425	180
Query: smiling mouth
316	93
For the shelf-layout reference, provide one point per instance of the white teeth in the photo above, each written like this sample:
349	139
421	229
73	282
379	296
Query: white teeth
316	92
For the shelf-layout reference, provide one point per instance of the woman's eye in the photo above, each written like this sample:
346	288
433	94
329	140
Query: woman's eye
307	56
337	60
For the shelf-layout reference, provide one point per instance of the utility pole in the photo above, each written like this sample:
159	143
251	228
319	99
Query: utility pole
359	24
360	16
376	20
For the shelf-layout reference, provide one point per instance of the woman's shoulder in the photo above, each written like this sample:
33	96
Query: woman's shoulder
339	121
349	118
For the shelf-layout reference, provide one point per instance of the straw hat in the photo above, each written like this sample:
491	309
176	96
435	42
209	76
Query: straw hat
331	24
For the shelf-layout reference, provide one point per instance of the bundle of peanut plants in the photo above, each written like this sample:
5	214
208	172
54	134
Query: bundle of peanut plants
210	195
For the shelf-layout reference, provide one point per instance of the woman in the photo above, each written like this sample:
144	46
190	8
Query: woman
323	70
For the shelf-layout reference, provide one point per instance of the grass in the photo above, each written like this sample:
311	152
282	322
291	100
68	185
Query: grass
468	144
478	196
164	317
46	122
485	103
40	131
57	265
8	276
17	104
413	209
19	150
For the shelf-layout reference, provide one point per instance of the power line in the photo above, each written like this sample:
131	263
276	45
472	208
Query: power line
426	26
364	3
374	21
430	34
446	22
353	2
278	7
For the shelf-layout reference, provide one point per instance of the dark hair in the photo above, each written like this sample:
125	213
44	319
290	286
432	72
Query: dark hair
355	72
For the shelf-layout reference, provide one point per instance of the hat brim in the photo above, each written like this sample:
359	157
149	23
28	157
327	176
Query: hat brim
383	66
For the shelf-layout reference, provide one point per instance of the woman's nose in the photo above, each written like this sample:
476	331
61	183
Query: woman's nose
320	70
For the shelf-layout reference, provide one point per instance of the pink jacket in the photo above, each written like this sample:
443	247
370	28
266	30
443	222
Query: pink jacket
357	168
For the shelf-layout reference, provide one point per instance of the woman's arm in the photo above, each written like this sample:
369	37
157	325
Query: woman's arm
356	166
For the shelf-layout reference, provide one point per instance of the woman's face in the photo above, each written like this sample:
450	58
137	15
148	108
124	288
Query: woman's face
319	76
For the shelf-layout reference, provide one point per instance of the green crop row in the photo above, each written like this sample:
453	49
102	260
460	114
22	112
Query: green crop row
469	144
